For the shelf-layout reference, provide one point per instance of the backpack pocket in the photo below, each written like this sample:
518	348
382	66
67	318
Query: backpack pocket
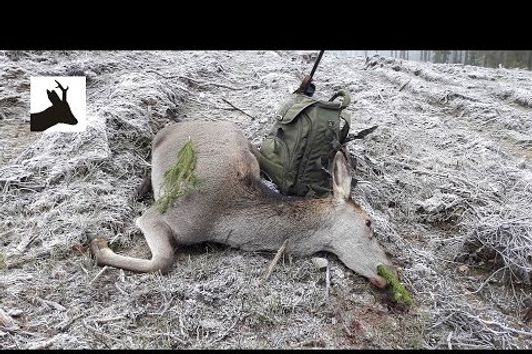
273	158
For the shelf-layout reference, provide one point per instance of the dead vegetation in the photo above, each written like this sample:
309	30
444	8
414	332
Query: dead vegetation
446	177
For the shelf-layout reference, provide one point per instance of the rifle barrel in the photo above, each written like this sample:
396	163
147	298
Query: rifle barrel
316	64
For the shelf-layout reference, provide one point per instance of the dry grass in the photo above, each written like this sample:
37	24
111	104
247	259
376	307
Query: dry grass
444	177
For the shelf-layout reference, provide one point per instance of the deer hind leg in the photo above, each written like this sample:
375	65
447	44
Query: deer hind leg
159	238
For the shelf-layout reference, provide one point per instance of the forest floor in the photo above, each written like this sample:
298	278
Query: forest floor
447	178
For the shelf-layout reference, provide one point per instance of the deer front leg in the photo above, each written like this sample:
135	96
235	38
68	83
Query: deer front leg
159	238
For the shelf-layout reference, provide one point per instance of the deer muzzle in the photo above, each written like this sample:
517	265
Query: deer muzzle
378	281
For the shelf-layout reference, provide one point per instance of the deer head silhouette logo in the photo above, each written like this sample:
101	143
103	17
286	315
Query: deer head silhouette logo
59	112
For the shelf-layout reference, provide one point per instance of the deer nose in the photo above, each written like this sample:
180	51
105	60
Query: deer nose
378	281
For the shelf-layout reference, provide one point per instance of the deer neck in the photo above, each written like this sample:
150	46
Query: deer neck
43	120
263	221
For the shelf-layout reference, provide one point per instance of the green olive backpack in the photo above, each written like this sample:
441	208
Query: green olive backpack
300	147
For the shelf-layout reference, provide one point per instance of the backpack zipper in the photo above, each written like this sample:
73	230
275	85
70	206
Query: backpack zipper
305	151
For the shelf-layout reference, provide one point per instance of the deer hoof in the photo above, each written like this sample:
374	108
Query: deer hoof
98	244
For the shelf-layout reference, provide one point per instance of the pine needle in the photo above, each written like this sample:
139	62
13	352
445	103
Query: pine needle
179	180
400	294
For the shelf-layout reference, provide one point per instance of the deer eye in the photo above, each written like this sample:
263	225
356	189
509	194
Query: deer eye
368	223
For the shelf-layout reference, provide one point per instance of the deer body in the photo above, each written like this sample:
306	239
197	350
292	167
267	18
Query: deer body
234	207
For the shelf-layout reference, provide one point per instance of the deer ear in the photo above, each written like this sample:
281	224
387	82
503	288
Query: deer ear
52	96
341	173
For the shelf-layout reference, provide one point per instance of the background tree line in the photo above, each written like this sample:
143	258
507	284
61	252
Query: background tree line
488	58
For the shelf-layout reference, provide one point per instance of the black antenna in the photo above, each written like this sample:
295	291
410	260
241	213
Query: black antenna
316	64
307	87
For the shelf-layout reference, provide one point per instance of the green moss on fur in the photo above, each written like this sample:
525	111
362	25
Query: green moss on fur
180	179
400	294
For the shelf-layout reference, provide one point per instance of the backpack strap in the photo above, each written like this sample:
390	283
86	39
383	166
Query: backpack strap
345	129
346	98
345	102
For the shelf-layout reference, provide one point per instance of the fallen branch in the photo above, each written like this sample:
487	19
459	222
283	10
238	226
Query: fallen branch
166	77
6	321
29	238
52	304
225	333
200	83
327	282
404	85
275	260
220	85
238	109
112	319
449	344
42	344
63	326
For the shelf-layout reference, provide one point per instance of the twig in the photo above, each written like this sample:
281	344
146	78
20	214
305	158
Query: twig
166	77
221	85
159	334
449	345
112	319
327	281
42	344
25	242
224	334
199	82
63	326
238	109
98	275
486	281
404	85
52	304
120	289
275	260
6	320
98	335
504	327
181	326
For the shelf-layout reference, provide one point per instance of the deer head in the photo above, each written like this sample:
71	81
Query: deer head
350	232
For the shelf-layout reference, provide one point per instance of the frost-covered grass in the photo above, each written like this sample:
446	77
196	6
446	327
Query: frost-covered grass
446	177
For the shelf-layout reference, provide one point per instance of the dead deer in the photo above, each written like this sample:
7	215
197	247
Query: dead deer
59	112
235	207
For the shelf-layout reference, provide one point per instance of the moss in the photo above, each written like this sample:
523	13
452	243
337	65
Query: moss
180	179
400	294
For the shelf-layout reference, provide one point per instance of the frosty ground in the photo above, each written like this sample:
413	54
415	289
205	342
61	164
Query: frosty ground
446	177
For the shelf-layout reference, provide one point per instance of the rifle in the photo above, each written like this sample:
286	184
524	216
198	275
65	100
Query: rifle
307	87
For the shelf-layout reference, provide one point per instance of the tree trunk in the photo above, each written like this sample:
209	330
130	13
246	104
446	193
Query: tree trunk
466	57
529	59
505	58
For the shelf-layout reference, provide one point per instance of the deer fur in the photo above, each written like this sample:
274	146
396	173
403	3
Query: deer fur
234	207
